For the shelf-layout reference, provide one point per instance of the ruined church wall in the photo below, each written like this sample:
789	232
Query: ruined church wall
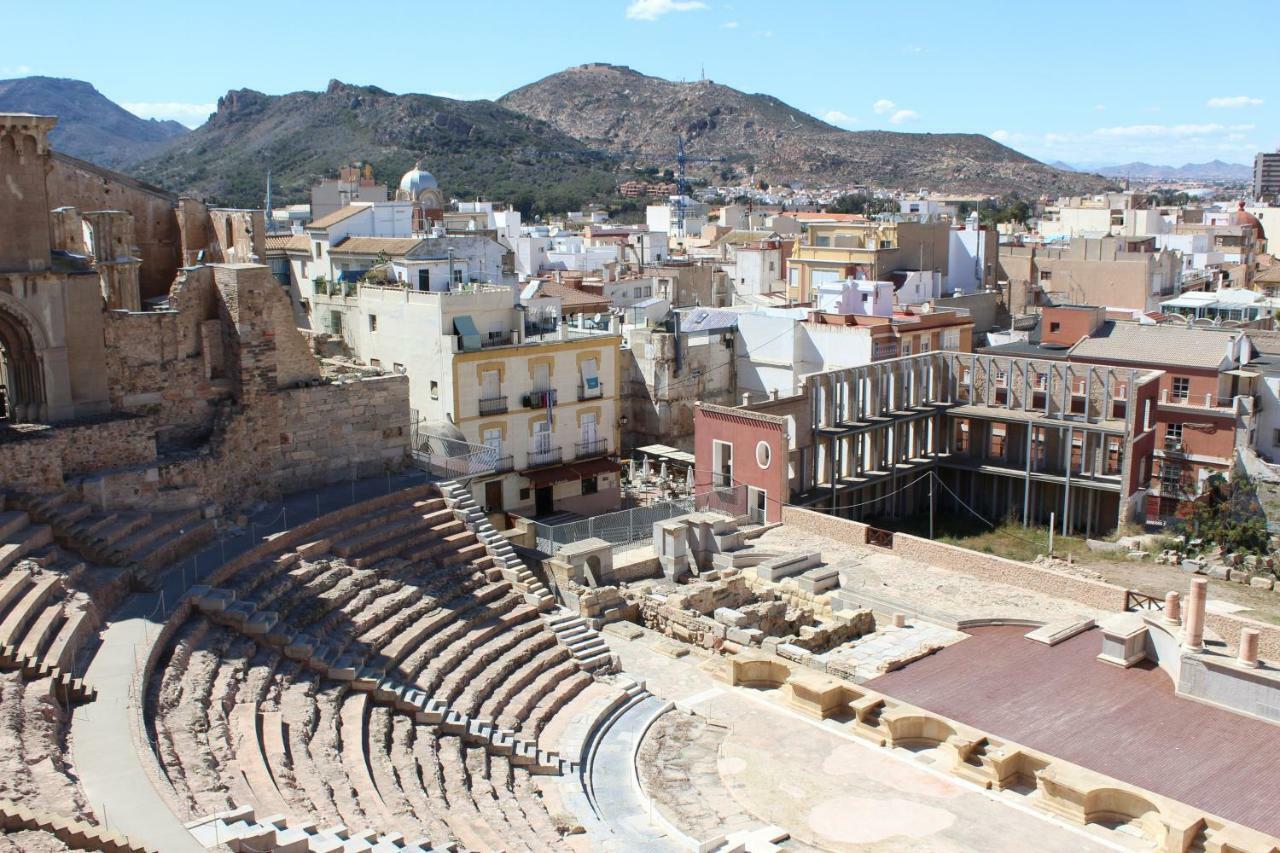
87	187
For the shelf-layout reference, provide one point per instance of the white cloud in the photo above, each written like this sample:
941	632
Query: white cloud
884	105
192	115
652	10
903	116
1170	130
1001	135
766	34
1233	102
729	25
15	70
838	118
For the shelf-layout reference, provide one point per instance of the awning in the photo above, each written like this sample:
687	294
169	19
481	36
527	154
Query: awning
571	471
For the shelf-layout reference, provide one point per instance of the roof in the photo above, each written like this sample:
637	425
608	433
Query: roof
1162	346
803	216
708	320
394	246
571	297
740	236
571	471
288	243
337	216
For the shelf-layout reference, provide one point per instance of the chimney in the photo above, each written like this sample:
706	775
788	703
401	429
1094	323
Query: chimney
746	398
773	393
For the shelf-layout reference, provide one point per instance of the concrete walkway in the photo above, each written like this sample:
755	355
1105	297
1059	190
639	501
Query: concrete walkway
618	799
108	736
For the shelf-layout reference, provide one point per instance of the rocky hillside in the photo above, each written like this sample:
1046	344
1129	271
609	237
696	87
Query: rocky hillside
472	147
90	126
636	117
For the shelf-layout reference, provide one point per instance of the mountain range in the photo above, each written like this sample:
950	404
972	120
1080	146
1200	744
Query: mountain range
1214	170
90	125
552	145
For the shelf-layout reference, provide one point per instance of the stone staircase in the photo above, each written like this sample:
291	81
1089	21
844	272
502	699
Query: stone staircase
458	498
221	606
149	541
588	648
240	830
76	834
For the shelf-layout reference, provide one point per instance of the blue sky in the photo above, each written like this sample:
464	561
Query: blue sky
1087	82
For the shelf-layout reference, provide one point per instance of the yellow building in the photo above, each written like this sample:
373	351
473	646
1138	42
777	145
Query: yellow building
834	251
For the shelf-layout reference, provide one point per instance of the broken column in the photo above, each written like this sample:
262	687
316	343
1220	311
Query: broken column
115	257
1173	608
1193	627
1248	655
66	231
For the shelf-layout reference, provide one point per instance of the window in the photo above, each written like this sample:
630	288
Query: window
457	276
924	344
1170	478
906	346
1001	379
764	454
1173	437
1275	436
375	363
1055	327
590	485
1046	275
1181	387
951	340
435	390
524	494
722	463
373	322
397	367
317	251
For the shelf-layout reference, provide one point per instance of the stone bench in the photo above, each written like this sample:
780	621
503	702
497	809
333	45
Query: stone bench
819	580
784	567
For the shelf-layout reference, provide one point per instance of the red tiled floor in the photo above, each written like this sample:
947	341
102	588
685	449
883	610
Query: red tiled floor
1126	723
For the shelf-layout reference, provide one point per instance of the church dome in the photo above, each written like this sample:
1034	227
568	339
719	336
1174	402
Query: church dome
418	179
1243	217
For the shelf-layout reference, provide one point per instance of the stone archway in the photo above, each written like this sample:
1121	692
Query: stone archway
21	371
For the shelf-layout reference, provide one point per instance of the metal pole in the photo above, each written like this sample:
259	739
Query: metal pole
932	476
1051	519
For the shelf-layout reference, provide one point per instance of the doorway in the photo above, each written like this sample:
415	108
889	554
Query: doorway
757	504
543	502
493	497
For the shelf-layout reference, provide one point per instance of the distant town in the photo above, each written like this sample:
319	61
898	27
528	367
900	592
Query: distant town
723	514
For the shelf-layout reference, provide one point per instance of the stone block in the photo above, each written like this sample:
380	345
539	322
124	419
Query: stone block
738	635
1217	572
729	616
1238	576
1260	582
819	580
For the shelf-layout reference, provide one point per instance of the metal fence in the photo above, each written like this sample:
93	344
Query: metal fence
451	458
634	527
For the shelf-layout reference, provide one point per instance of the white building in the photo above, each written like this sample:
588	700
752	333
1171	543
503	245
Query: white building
666	217
547	403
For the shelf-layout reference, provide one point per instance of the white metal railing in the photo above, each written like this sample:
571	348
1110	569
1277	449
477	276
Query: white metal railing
451	458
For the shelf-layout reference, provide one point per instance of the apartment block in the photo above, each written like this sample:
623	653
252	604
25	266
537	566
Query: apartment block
545	398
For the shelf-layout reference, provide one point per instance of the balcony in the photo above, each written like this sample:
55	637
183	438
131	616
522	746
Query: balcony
546	456
540	399
585	393
504	464
588	449
493	405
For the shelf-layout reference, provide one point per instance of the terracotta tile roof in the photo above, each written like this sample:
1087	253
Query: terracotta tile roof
337	216
1160	346
572	297
288	243
396	247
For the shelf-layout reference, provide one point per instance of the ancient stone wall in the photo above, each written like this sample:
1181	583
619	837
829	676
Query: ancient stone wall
76	183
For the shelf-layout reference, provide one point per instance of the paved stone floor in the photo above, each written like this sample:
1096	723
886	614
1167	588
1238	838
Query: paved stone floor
888	580
832	791
868	656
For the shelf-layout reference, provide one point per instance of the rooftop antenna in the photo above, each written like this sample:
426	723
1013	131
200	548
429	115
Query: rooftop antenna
268	198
